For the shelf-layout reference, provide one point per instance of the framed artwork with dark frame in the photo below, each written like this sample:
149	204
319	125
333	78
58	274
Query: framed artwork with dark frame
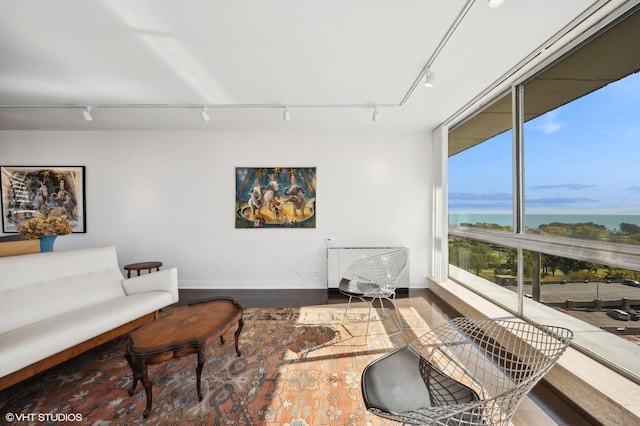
29	191
275	197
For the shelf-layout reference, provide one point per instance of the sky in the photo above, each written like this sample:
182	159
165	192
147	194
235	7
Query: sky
583	157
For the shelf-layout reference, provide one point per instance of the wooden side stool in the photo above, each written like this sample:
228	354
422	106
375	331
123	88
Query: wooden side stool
142	266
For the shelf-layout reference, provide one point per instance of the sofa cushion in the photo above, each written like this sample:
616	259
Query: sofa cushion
16	271
31	343
45	299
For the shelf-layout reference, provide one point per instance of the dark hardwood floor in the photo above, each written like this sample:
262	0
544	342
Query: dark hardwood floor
275	298
541	408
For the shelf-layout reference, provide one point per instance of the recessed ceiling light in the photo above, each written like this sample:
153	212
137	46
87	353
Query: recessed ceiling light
204	115
87	114
429	77
495	3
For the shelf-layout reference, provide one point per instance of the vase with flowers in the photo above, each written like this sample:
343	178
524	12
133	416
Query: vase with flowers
46	228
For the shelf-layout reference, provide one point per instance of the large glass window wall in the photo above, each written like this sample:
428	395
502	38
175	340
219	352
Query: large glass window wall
577	192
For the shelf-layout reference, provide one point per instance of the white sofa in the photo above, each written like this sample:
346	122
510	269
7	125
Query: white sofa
56	305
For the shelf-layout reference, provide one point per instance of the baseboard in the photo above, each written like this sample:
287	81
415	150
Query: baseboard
265	284
251	285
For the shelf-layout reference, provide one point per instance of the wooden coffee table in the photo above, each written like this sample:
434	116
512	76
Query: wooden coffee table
182	332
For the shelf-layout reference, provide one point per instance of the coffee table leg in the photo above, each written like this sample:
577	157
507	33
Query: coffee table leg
134	383
140	372
237	334
147	387
201	360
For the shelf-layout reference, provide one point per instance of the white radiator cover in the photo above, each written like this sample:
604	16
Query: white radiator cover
340	258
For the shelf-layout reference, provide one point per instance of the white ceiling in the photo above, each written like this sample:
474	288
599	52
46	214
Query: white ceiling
327	59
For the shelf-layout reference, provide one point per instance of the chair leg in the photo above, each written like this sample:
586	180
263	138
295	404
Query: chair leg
384	313
345	311
371	301
395	308
366	333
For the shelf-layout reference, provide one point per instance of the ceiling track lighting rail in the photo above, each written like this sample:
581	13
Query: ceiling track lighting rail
205	109
209	107
452	29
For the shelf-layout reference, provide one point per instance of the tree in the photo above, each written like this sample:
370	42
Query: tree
481	257
588	231
629	228
569	265
512	264
583	231
471	255
549	263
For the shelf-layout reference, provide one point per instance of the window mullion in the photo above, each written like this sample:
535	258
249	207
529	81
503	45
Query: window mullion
518	159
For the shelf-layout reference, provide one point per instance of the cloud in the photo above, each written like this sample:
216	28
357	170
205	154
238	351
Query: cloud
559	201
481	206
468	196
633	189
631	133
569	186
548	123
467	201
464	201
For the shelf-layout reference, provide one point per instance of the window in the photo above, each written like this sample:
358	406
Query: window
582	141
579	235
482	143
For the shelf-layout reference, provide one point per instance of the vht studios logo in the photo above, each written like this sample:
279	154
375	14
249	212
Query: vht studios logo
43	417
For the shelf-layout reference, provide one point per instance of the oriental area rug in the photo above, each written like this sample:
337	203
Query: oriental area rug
298	367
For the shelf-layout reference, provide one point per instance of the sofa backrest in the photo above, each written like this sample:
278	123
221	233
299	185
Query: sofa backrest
35	287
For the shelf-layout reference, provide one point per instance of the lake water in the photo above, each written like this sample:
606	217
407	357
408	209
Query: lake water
534	220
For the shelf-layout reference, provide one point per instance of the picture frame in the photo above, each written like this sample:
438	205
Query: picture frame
29	191
275	197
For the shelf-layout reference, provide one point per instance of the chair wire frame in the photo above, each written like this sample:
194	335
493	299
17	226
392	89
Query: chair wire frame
374	277
499	360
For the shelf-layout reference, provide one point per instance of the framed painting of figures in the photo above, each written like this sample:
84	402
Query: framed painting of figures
275	197
30	191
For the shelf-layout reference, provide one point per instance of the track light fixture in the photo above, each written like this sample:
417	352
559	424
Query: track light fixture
87	114
204	115
495	3
374	117
428	78
285	115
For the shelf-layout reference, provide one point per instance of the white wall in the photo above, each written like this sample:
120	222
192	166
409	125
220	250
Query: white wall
170	196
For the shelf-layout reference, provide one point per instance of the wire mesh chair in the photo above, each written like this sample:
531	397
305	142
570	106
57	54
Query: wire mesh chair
465	372
374	277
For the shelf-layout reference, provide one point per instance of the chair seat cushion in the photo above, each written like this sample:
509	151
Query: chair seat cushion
356	288
395	384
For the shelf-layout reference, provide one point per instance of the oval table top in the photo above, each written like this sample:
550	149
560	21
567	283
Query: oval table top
184	327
